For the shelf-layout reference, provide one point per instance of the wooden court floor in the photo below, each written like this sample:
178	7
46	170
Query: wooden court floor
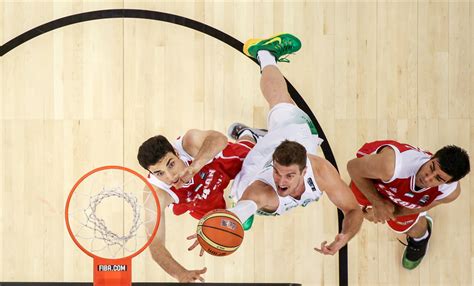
89	94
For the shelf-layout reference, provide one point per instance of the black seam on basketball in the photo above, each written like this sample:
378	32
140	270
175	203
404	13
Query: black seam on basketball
223	231
218	243
208	238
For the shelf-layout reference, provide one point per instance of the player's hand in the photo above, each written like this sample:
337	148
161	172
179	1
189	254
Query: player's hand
383	211
187	276
333	248
186	175
196	243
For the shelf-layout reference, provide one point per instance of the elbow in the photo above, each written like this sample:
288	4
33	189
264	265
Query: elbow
350	167
355	211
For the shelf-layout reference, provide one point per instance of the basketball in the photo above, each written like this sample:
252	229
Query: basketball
220	232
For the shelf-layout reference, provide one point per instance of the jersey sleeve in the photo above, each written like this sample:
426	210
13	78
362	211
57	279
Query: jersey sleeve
178	145
446	190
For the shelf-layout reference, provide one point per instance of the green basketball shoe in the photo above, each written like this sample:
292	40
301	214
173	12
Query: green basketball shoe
280	46
248	223
416	250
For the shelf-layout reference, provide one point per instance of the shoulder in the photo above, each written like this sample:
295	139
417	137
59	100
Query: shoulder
386	159
318	164
324	172
376	165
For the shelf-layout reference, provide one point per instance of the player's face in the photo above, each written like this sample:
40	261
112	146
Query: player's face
168	169
287	178
430	175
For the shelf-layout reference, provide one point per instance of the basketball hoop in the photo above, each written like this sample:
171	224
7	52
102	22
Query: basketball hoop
106	220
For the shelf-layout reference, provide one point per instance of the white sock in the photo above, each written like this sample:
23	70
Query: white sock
246	133
266	59
421	238
244	209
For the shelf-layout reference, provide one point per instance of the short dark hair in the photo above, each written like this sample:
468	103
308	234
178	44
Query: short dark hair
454	161
153	150
289	153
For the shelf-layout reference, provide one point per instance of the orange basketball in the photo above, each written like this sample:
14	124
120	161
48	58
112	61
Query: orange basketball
220	232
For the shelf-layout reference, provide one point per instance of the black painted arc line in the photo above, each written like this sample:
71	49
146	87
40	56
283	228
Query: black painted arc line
198	26
119	13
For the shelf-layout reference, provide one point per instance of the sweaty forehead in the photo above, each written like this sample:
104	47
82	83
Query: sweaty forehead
285	169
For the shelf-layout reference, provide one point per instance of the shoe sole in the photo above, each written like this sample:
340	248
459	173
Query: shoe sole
254	41
255	131
231	127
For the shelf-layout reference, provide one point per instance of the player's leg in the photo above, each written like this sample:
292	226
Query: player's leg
417	237
273	85
417	227
268	52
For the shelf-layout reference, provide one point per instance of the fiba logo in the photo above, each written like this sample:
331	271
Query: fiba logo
228	224
111	268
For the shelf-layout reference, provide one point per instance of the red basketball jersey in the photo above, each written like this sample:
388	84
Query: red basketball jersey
205	192
400	189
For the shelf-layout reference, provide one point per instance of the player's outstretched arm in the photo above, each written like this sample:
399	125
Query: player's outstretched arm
158	250
375	166
203	146
338	192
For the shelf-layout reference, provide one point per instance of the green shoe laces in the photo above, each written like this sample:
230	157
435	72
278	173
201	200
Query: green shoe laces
284	49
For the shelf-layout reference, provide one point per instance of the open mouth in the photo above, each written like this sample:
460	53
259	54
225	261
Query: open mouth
282	189
175	182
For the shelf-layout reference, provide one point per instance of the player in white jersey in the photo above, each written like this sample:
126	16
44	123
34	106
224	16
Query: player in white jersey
282	171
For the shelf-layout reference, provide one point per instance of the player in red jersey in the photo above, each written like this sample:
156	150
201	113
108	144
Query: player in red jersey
398	183
190	175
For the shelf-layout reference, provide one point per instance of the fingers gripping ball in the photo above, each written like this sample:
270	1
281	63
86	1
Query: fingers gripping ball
220	232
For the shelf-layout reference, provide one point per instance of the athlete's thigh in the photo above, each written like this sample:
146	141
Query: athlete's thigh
284	114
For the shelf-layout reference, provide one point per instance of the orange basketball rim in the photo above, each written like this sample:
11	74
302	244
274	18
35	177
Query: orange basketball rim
115	271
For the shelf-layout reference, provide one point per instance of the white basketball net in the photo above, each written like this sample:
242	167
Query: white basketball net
126	216
97	224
